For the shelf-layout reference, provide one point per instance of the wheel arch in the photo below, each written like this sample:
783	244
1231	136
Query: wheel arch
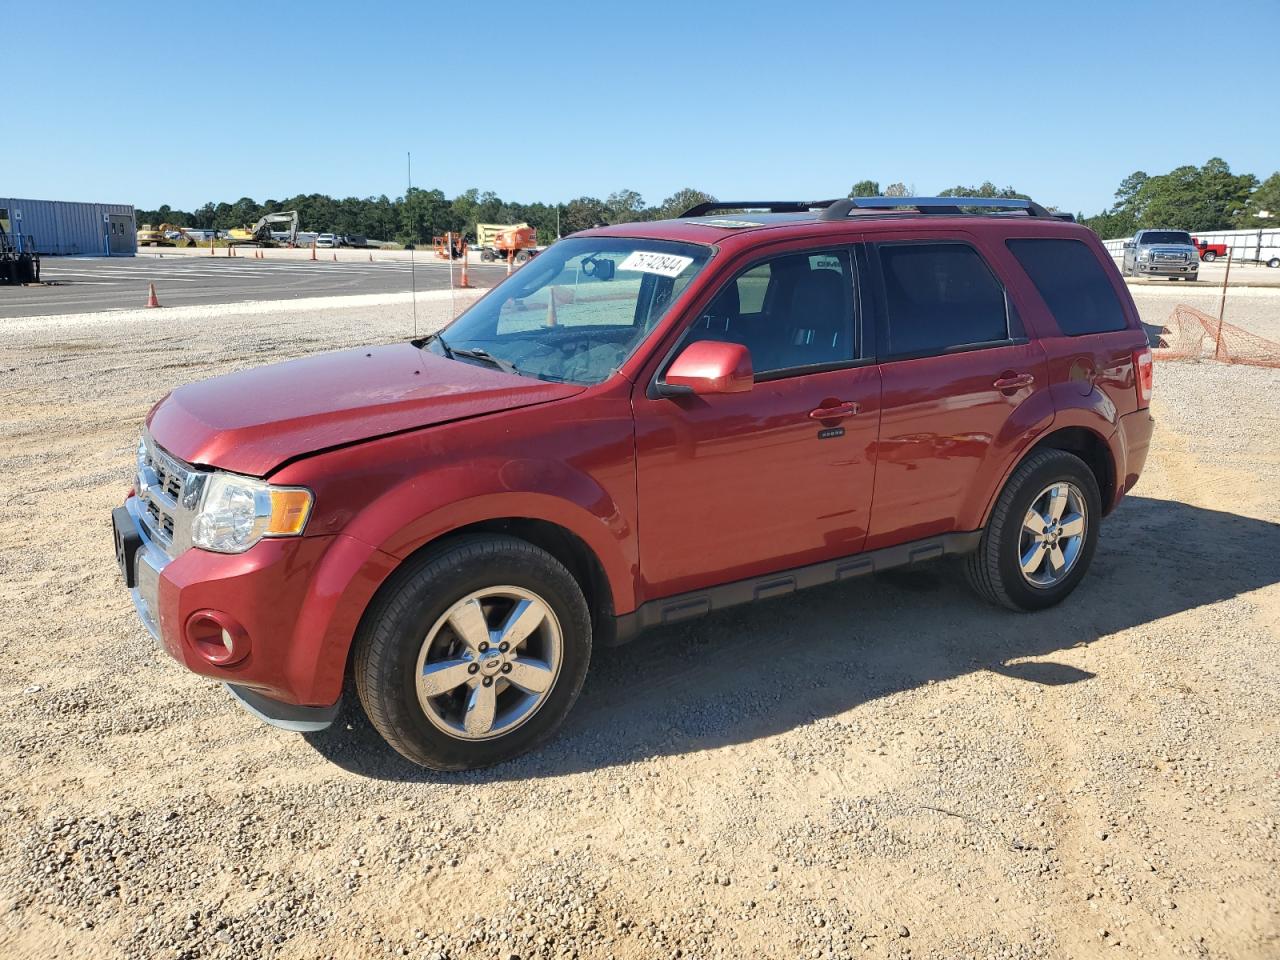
582	562
1087	444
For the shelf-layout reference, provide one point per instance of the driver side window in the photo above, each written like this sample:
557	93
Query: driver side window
790	312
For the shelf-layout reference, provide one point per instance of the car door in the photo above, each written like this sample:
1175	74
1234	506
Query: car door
738	485
962	387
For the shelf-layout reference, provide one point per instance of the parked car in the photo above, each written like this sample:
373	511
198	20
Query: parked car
1162	253
647	423
1209	252
327	240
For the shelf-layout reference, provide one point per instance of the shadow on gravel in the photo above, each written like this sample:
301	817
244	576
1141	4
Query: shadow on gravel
759	670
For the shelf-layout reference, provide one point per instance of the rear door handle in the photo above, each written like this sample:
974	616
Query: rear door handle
1014	381
836	411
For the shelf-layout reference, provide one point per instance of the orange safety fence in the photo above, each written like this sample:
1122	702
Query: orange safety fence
1192	334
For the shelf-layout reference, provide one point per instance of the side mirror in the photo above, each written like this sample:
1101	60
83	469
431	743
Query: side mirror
708	367
1128	244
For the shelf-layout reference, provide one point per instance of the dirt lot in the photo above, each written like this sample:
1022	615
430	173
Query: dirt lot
886	768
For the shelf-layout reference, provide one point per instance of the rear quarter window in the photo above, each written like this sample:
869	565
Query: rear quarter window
1072	283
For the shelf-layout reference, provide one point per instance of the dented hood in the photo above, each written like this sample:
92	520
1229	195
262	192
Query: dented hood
255	420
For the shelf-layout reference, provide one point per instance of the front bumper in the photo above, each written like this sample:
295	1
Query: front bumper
298	601
1168	269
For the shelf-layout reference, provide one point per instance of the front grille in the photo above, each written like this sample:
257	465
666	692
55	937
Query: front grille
167	489
1170	257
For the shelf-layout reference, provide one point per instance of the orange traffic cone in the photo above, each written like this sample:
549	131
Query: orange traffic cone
510	257
313	249
152	299
335	256
551	309
371	258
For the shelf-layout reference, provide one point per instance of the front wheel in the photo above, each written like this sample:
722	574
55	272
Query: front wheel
1041	536
474	653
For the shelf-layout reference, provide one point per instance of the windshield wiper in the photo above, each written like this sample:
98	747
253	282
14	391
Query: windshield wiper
484	356
420	344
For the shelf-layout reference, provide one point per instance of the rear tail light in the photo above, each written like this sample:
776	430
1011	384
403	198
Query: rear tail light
1145	375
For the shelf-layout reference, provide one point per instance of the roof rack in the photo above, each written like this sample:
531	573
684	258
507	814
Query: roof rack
771	206
936	205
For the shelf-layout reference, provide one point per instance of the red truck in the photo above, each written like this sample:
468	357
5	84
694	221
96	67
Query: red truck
1209	252
647	423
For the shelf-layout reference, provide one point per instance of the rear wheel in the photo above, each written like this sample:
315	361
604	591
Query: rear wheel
474	654
1042	534
522	256
1208	256
1273	262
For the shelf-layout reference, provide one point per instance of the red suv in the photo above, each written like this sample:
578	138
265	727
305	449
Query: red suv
646	423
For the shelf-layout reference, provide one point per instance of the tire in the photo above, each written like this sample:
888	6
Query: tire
522	256
1208	256
1193	278
1274	262
995	571
486	255
408	629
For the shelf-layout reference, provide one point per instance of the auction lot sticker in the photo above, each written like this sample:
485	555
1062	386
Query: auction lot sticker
663	264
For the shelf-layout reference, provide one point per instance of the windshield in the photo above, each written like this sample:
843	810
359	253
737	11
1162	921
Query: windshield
1166	236
576	311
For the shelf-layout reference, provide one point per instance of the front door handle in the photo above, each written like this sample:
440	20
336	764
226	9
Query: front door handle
837	411
1014	381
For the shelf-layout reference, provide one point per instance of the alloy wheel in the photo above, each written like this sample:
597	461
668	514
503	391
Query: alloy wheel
1053	533
489	663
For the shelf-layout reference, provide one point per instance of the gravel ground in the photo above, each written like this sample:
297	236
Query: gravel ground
886	768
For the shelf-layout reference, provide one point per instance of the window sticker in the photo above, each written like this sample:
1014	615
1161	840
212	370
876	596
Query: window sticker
663	264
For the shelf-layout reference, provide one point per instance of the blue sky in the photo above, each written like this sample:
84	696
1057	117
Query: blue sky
183	102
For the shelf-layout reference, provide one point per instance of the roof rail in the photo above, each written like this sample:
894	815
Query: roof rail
772	206
933	205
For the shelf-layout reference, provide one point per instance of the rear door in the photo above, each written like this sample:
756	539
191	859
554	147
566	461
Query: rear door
963	386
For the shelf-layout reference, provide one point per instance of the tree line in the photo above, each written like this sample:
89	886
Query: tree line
1190	198
420	214
1209	197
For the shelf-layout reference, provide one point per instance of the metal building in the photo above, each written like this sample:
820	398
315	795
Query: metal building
59	227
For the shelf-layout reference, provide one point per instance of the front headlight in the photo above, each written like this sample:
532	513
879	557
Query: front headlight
236	512
1144	255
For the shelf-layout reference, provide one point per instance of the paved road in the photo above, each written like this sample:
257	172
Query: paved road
86	284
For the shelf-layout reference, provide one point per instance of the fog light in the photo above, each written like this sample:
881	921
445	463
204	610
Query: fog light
217	637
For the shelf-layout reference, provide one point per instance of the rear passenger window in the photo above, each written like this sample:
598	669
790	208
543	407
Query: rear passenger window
1072	283
939	297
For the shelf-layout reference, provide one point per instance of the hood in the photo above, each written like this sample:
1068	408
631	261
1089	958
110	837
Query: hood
253	421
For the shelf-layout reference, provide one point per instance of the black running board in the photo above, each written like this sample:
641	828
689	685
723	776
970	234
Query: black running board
698	603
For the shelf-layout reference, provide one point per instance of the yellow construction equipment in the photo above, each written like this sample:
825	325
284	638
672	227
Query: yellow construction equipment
165	235
259	235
